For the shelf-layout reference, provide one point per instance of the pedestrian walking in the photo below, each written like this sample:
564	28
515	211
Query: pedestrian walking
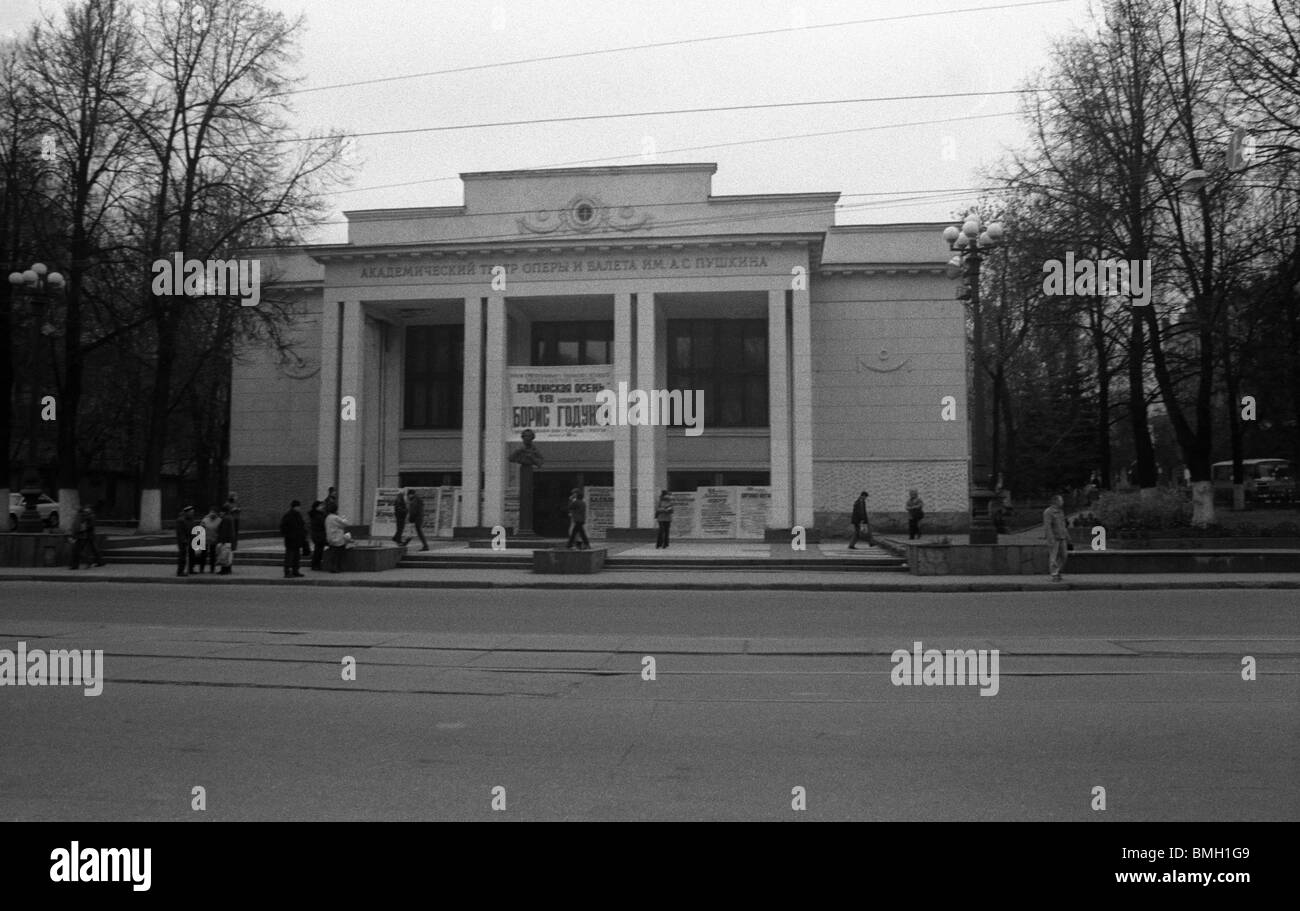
399	513
331	501
859	518
185	524
1058	537
578	516
316	520
915	507
336	537
293	529
664	516
226	543
83	535
211	523
415	513
232	508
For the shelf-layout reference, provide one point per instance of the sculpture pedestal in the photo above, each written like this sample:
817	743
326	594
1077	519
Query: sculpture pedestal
569	562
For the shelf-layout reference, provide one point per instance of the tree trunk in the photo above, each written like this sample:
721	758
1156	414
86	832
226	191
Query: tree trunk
1103	393
156	442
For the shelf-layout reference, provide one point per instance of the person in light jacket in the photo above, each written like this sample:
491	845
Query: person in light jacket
664	516
1058	537
336	537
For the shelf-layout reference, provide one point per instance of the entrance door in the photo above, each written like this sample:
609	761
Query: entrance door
551	491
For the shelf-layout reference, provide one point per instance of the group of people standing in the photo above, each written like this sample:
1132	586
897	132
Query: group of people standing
216	547
322	532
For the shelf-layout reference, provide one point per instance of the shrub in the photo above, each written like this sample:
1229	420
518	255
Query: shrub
1128	514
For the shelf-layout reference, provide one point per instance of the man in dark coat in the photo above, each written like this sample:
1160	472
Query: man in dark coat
859	518
399	513
415	512
294	532
185	523
578	515
83	534
317	520
233	509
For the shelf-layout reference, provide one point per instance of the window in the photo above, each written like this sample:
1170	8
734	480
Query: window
572	344
727	359
435	370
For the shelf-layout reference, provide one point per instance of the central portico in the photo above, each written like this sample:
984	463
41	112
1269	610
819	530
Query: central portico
542	271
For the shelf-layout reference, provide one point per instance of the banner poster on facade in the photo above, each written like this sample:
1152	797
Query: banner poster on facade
718	511
441	511
755	506
683	514
448	511
558	403
383	523
600	510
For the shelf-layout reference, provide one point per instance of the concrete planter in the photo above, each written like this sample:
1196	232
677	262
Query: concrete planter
34	549
569	562
361	559
39	549
977	559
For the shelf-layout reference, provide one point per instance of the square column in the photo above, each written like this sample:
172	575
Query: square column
352	420
622	434
471	434
801	406
778	409
393	358
646	435
327	426
494	406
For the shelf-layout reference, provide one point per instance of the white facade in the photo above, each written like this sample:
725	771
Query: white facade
863	340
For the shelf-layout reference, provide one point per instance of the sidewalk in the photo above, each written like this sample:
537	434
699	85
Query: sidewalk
785	579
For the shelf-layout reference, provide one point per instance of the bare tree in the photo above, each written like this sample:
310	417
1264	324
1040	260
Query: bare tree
225	173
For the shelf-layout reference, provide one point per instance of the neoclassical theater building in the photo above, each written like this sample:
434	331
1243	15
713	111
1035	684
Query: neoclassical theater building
820	356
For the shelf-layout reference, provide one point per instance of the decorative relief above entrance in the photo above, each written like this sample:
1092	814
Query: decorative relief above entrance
584	215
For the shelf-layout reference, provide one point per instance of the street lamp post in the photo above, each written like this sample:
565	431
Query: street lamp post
968	242
39	284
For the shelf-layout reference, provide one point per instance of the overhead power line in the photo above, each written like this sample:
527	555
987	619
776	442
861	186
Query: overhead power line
629	114
699	148
675	43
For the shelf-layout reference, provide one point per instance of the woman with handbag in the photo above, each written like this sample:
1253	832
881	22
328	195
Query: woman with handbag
226	542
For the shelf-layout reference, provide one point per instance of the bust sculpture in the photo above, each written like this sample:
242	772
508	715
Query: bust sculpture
529	455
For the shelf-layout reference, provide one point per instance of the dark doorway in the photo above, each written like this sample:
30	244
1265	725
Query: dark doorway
551	491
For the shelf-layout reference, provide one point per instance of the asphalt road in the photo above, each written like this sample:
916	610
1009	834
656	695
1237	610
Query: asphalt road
240	691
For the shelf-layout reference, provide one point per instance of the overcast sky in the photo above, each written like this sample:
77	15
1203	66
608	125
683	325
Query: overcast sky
973	46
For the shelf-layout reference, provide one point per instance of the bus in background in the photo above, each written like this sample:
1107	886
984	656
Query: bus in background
1266	480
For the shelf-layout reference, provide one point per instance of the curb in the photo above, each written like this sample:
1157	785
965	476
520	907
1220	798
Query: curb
893	587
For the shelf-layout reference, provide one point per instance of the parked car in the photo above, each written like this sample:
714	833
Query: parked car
46	508
1266	480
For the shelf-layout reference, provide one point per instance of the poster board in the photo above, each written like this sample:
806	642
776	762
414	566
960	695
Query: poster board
557	403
